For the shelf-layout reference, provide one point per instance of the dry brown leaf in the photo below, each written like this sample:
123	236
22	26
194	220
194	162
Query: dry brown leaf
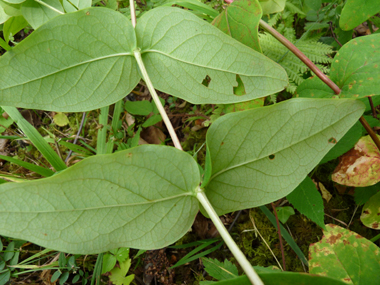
325	193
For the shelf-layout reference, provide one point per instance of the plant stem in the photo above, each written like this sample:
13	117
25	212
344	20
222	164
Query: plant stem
157	101
279	237
133	12
370	131
372	107
301	56
102	133
240	257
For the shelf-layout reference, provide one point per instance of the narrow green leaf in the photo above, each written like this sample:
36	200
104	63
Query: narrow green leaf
261	155
308	201
188	58
371	212
346	256
36	138
76	62
142	197
356	12
194	5
240	20
220	270
38	14
32	167
152	121
283	278
272	6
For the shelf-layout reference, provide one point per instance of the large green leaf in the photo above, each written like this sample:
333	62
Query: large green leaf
76	62
346	256
261	155
308	201
180	51
142	198
371	212
241	20
37	14
356	12
355	69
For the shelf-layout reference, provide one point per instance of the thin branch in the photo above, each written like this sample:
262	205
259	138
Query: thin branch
372	107
333	34
301	56
370	131
133	12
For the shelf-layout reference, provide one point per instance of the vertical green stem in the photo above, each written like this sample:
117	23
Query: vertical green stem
36	138
102	133
133	12
156	99
115	120
240	257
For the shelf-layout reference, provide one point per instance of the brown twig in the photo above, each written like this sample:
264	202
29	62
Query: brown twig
301	56
333	34
372	107
317	71
279	236
370	131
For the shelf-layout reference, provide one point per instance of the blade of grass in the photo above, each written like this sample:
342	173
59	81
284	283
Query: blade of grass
285	235
190	256
76	148
115	120
35	137
32	167
97	270
102	133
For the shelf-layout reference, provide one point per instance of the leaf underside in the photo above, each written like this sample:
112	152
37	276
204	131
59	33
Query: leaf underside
261	155
180	51
140	198
76	62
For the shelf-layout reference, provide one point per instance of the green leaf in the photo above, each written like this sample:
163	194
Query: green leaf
76	62
220	270
152	121
38	14
261	155
363	194
188	58
142	108
371	212
61	119
3	16
14	1
55	276
12	26
74	5
313	4
9	252
240	20
4	277
356	12
314	88
109	262
346	256
11	10
62	261
356	67
283	278
64	277
122	254
193	5
284	213
35	168
118	274
142	198
347	142
308	201
272	6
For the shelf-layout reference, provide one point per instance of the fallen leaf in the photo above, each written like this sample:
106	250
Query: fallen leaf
325	193
360	167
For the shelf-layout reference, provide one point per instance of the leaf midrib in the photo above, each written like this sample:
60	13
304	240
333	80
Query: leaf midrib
103	207
208	67
280	150
69	67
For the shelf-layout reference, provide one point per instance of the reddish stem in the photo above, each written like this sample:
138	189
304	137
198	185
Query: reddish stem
301	56
279	237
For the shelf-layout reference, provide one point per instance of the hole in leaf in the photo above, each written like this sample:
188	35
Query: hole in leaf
332	140
271	157
239	90
206	81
